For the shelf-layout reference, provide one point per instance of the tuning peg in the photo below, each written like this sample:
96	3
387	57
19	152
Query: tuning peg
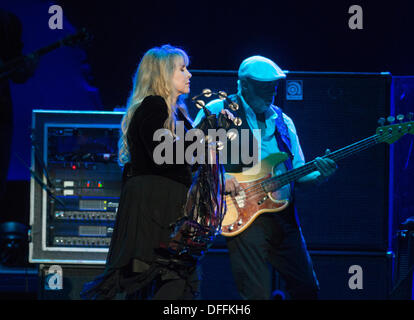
200	104
381	121
234	106
400	117
391	119
207	93
222	95
237	121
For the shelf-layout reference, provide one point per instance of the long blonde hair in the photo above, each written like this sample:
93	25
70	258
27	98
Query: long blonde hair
153	77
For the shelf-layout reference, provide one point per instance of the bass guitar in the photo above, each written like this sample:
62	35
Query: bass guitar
266	188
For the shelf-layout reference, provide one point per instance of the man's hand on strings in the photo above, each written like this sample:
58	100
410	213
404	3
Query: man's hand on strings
325	166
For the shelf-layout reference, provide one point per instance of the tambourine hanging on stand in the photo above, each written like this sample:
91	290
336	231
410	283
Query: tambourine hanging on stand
222	121
205	206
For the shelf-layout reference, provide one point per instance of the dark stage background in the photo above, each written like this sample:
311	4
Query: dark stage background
218	35
299	36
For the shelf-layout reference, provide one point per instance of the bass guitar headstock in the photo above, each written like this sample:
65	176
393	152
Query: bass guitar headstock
394	131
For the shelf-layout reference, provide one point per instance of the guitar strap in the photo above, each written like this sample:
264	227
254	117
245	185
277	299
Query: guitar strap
283	141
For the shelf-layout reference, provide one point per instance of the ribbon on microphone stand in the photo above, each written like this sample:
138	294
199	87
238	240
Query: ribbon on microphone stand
205	207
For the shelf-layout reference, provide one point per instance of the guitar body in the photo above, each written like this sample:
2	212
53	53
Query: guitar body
253	200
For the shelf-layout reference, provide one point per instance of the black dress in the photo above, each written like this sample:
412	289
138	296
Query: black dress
152	198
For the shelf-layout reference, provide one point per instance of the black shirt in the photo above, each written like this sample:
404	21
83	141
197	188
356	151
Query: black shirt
148	118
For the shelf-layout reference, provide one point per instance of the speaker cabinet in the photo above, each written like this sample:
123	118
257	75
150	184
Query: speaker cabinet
342	275
338	278
351	210
217	282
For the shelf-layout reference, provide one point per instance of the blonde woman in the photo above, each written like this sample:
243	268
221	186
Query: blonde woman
152	195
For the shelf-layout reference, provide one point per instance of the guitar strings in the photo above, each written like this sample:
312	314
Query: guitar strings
306	167
337	155
258	189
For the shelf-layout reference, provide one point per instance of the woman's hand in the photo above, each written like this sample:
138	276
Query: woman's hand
228	114
225	119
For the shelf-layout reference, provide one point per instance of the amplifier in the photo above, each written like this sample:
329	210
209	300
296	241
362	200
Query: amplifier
75	185
335	271
332	110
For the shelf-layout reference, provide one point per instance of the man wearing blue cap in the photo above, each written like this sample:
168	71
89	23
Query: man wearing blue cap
272	237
